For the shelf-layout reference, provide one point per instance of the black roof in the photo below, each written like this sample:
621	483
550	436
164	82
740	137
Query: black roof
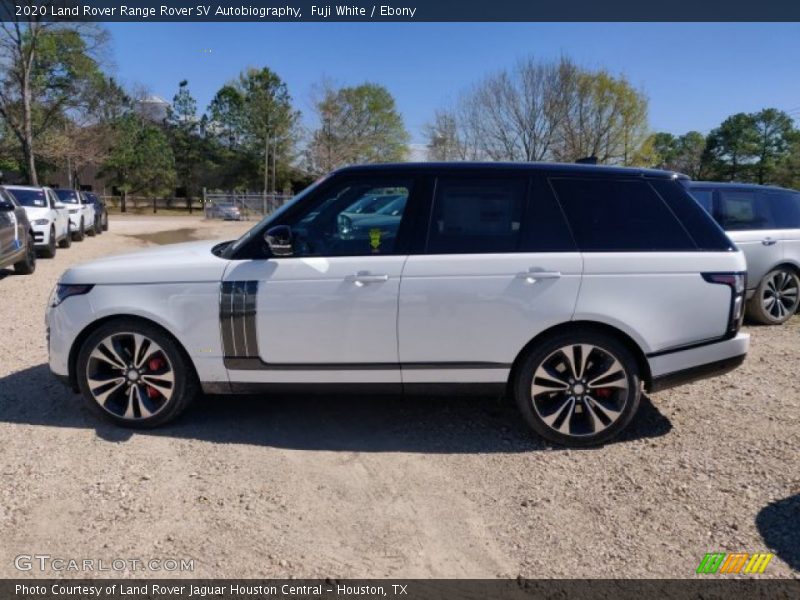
571	168
736	185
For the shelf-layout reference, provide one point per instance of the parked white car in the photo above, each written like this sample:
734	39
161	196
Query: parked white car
568	287
81	213
764	221
48	216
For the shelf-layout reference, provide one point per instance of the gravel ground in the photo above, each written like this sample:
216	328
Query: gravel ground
384	487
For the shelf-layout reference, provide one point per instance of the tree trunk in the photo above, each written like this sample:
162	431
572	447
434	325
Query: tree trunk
27	146
124	202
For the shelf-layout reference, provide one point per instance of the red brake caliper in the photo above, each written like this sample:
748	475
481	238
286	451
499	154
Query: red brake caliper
154	364
603	392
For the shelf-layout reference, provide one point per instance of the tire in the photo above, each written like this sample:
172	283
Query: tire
50	250
92	231
105	221
776	299
66	241
161	359
77	236
571	417
98	225
28	264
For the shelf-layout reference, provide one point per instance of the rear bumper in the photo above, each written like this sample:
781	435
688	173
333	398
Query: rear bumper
678	367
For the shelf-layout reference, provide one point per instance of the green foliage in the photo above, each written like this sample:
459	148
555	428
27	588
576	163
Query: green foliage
359	124
141	161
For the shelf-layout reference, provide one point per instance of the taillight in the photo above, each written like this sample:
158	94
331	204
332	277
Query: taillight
737	282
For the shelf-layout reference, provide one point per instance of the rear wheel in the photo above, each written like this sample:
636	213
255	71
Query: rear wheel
105	221
79	235
134	375
776	299
50	250
98	225
578	389
66	241
28	264
92	231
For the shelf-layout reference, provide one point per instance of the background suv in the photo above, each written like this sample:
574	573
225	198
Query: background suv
16	236
81	213
569	287
764	222
49	218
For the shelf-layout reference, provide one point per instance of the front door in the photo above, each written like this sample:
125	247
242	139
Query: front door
329	309
495	271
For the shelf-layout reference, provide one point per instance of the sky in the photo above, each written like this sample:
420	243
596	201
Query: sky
694	74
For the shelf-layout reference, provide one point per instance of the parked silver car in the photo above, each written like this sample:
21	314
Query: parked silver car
764	221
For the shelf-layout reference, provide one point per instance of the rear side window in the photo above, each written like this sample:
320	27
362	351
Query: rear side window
784	208
476	215
742	209
619	215
705	231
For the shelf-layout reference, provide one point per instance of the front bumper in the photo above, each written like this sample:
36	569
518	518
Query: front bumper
41	235
673	368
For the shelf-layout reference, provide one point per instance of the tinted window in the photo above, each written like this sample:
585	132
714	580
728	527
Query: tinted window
704	198
327	227
619	215
476	215
742	209
784	209
32	198
705	231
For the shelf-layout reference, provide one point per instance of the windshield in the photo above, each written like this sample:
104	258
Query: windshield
33	198
394	208
68	196
263	223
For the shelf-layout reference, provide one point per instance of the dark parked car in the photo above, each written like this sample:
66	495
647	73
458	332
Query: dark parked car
100	211
16	236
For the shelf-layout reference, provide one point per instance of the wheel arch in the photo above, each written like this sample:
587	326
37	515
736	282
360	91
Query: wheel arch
583	326
94	325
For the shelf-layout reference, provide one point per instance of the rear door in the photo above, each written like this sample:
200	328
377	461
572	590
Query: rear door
8	225
745	215
495	266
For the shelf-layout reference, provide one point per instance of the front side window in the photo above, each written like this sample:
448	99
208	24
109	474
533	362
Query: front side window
741	210
31	198
476	216
354	218
623	215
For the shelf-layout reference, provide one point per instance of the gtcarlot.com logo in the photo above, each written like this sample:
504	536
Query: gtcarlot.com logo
45	562
737	562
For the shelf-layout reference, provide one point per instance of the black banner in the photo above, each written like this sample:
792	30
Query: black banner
406	589
398	10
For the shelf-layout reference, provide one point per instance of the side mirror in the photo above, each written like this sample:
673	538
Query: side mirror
6	206
279	240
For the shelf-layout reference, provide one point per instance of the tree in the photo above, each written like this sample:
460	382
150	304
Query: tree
359	124
43	68
254	115
445	139
685	153
141	161
774	130
732	148
188	146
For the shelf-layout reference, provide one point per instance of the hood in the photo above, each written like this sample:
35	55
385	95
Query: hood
173	263
36	212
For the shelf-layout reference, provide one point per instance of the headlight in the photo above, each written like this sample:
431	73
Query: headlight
64	291
41	222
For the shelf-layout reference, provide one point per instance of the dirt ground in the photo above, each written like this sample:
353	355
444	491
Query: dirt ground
386	487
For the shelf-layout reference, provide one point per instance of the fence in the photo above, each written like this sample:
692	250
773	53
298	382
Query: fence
241	206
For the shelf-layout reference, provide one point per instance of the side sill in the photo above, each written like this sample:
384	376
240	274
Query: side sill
409	389
713	369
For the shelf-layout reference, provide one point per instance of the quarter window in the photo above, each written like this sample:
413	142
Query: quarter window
619	215
704	199
476	216
784	209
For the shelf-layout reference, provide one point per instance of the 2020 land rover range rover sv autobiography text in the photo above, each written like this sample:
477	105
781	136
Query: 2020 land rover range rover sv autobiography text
569	287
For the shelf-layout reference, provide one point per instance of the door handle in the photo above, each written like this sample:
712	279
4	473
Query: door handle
769	242
532	275
362	279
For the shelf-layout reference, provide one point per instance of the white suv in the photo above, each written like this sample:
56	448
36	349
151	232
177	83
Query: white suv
48	216
570	287
764	221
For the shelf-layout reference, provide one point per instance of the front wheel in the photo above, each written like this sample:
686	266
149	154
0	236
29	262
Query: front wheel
50	250
578	389
776	298
78	236
134	375
28	264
